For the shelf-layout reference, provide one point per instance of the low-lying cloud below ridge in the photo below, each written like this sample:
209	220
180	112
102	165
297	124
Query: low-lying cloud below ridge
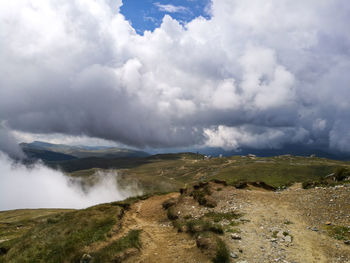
41	187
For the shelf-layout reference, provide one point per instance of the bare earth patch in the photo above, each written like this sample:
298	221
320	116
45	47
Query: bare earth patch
287	226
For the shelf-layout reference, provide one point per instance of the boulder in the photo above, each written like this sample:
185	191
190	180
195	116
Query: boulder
288	239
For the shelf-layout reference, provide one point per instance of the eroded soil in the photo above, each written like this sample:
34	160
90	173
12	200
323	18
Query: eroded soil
287	226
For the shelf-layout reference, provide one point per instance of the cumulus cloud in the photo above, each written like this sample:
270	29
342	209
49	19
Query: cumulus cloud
249	136
41	187
79	68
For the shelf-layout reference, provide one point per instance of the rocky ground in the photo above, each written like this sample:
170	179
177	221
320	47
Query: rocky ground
290	226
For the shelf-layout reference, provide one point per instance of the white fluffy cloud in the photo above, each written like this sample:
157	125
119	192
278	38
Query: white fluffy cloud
79	68
41	187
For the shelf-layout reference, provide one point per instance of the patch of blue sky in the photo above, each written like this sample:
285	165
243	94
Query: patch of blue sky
148	14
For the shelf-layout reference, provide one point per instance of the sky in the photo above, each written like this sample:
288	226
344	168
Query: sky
148	14
165	74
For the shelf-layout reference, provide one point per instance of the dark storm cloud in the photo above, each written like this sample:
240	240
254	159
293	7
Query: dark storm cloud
257	74
8	143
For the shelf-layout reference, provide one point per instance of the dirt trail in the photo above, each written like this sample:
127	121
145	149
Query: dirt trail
160	241
266	217
270	212
267	214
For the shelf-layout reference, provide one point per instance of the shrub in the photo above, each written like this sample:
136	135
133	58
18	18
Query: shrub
307	185
179	225
240	184
222	253
196	226
169	203
339	232
341	173
274	234
200	194
172	214
312	184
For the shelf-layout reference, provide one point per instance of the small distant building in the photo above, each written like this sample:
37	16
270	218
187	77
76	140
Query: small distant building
252	156
312	155
207	157
220	155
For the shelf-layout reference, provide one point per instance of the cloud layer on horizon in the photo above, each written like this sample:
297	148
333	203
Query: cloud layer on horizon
259	74
41	187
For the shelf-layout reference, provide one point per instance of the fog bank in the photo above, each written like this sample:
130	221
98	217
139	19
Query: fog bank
41	187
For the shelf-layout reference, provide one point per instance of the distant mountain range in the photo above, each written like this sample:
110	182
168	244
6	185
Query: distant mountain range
61	152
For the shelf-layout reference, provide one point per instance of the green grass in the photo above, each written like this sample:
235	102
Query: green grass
15	223
218	217
323	183
341	173
170	172
62	237
195	226
178	224
199	194
233	230
108	253
339	232
126	203
222	252
235	223
274	234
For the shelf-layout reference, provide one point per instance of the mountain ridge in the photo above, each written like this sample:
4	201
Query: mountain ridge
58	152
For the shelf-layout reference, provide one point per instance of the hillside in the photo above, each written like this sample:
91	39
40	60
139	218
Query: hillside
48	151
171	171
249	225
232	209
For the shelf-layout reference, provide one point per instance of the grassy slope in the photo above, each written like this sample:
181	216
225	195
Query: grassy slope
16	222
64	236
61	237
174	171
